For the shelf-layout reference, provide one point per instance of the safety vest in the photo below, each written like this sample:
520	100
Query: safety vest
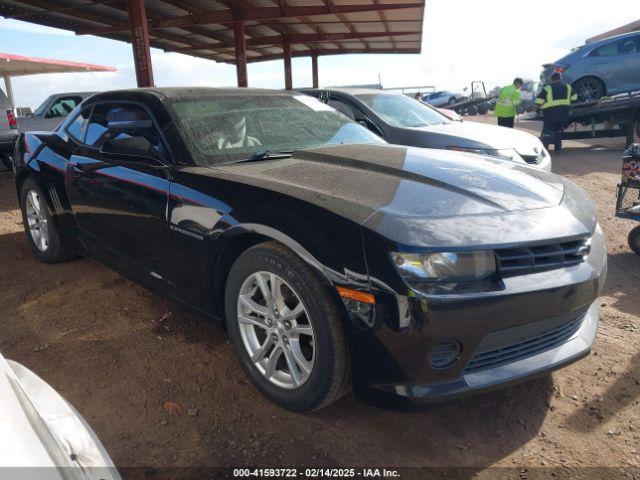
550	102
508	100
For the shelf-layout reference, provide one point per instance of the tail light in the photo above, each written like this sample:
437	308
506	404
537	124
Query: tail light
559	69
12	119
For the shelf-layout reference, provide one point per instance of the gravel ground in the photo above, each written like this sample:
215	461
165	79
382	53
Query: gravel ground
118	353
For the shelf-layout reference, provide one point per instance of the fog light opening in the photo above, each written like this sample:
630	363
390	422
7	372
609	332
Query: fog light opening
444	354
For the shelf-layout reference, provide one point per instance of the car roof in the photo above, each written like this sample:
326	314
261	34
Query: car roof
177	92
348	90
163	93
81	94
609	39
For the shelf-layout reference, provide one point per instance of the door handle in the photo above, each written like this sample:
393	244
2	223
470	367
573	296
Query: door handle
76	169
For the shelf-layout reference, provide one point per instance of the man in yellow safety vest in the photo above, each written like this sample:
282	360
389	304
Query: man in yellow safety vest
554	100
508	100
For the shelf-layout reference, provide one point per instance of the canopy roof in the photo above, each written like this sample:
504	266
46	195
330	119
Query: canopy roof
204	28
629	27
15	65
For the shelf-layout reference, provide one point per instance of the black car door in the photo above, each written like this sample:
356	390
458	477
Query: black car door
118	185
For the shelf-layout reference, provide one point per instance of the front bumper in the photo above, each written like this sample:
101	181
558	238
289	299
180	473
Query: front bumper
555	310
577	347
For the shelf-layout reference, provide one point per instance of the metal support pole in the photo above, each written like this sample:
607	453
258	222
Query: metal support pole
9	88
314	69
288	82
241	53
140	42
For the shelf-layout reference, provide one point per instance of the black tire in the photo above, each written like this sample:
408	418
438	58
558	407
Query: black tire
57	250
634	240
589	88
6	161
330	376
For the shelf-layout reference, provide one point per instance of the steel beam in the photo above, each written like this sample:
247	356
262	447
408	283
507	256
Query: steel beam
267	13
314	69
286	50
328	51
9	88
301	38
140	42
241	53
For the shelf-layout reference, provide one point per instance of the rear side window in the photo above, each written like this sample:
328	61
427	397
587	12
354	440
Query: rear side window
120	122
625	46
63	106
78	127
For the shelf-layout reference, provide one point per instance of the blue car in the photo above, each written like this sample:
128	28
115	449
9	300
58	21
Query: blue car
605	67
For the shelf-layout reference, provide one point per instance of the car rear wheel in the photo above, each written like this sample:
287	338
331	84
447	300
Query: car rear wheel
286	329
589	88
634	240
42	234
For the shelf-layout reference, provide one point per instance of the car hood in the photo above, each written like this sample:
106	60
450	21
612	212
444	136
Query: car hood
400	191
482	135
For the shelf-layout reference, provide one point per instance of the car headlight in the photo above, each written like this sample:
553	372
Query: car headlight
504	153
447	272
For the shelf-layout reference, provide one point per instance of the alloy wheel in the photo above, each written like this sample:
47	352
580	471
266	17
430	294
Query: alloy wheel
588	90
276	330
37	221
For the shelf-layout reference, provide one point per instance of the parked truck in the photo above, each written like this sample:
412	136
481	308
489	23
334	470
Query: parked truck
46	117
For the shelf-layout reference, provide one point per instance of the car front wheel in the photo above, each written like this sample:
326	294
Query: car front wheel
286	329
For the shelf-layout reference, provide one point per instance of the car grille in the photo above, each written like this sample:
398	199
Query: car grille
523	260
533	159
544	340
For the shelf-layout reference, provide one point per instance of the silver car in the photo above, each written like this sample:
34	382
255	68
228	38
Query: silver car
42	435
606	67
404	121
441	99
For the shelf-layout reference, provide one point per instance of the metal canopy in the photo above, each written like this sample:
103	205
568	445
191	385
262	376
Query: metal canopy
205	28
16	65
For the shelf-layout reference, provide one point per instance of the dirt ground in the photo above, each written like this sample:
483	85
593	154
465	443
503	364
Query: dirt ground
118	353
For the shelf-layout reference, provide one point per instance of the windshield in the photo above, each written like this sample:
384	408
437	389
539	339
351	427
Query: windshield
234	127
402	111
43	106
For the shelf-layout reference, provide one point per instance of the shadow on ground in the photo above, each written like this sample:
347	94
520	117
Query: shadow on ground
624	391
625	266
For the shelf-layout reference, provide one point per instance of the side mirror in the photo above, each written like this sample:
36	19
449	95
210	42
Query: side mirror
138	147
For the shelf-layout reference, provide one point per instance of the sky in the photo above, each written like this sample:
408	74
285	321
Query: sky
463	40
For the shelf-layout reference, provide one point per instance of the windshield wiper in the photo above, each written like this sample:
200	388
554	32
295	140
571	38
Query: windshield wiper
268	155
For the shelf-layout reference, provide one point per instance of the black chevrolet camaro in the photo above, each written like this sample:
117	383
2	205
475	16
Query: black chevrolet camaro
332	258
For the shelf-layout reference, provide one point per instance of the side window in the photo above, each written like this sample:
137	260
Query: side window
620	47
342	107
63	106
608	50
78	127
627	46
127	124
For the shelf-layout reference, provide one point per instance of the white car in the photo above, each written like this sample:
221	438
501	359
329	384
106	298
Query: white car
42	436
